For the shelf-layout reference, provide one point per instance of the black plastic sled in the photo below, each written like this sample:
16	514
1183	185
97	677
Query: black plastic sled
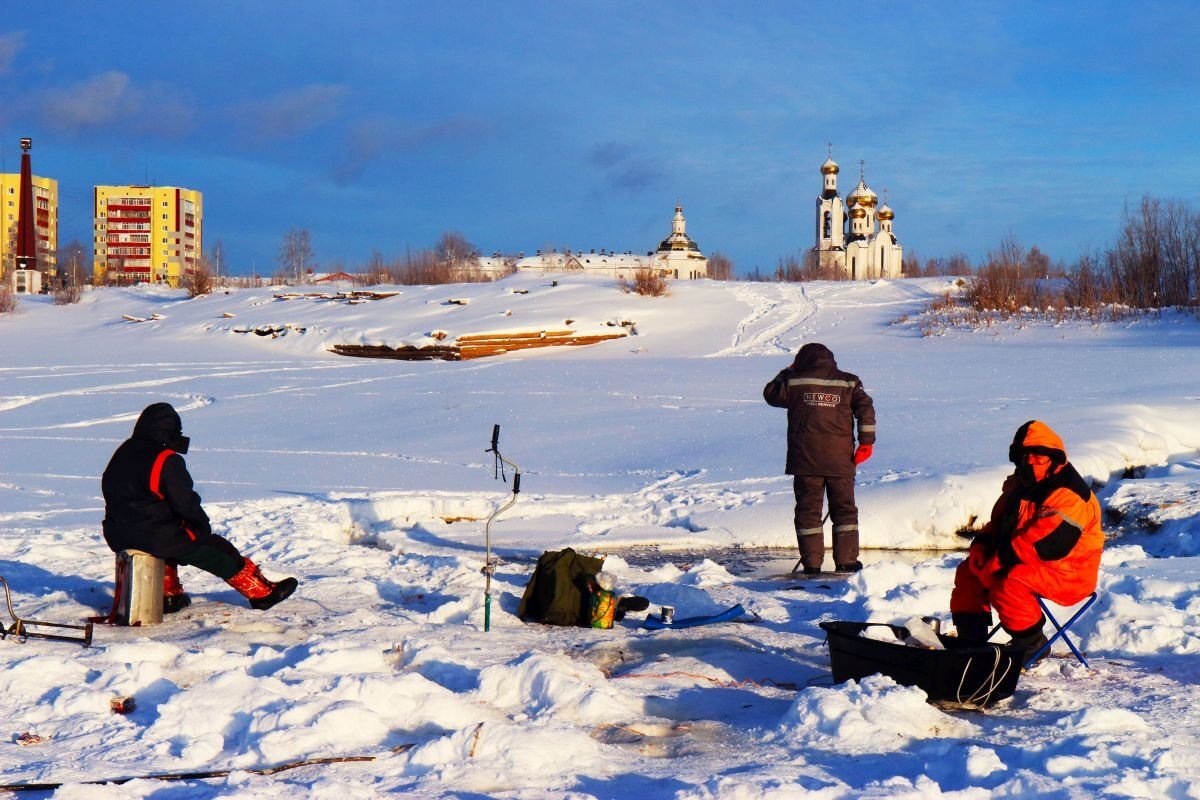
965	675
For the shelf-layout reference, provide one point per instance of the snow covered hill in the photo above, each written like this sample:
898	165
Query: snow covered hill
368	480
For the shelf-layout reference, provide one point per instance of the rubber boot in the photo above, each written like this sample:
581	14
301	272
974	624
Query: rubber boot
261	593
812	551
848	569
973	626
630	603
174	597
1030	640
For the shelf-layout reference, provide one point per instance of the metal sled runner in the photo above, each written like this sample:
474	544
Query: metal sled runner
23	629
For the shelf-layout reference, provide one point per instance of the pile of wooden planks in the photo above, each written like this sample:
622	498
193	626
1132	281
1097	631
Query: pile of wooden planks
477	345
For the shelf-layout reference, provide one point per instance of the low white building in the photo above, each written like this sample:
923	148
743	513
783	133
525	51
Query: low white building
677	257
25	281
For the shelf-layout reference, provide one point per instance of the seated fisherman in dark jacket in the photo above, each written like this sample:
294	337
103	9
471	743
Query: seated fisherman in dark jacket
149	505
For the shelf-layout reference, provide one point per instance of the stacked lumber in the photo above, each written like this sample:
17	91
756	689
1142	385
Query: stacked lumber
479	345
476	345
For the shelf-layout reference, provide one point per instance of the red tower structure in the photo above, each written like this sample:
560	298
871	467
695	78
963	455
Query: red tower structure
26	252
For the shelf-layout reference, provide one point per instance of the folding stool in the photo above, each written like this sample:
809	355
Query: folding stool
1060	631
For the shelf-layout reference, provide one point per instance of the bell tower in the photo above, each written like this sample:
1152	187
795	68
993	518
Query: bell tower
830	239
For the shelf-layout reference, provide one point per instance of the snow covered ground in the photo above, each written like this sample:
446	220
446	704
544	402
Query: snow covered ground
367	480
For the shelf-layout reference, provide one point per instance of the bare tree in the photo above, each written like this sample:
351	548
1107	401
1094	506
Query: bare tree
199	280
296	255
958	265
218	260
456	252
1037	263
793	268
377	269
648	282
71	259
720	267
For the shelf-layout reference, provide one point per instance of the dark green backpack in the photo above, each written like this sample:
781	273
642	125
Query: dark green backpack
558	593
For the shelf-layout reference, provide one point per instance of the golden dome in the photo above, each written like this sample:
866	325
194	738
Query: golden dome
886	212
830	167
858	212
863	196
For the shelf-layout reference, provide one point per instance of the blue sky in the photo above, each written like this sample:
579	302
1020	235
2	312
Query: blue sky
381	125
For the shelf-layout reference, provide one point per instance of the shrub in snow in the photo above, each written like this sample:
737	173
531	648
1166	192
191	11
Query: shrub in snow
649	282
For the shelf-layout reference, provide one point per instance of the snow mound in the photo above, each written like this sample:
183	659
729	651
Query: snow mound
874	715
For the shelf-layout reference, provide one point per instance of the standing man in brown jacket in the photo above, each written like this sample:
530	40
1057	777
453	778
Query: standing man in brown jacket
823	405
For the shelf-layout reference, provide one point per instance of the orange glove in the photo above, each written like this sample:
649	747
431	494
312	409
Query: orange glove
862	453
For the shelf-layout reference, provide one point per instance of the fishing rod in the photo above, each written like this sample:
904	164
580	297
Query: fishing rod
489	567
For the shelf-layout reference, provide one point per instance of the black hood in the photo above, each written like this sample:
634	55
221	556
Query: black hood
814	354
160	423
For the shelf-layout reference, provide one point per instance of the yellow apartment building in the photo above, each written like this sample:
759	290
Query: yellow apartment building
45	212
147	234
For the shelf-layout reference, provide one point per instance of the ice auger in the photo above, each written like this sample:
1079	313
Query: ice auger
489	568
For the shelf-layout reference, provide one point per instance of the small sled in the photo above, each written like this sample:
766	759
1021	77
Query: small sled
22	629
964	675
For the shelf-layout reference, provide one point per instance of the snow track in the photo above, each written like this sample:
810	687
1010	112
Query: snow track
780	315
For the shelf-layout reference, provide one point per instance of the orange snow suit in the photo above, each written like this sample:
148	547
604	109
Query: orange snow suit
1044	538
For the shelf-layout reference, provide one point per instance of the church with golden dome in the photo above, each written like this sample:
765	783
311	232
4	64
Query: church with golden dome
855	238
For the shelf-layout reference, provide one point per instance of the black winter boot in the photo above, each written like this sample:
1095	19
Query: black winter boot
630	602
1031	640
973	626
847	569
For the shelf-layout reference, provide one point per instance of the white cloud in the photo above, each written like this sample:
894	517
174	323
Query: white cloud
292	112
111	99
10	45
93	102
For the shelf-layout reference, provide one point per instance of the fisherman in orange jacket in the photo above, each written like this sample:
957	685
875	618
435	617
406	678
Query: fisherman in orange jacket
1043	539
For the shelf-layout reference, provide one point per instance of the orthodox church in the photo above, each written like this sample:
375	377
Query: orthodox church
855	238
678	256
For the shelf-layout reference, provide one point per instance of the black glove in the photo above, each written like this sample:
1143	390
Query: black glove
984	539
1007	557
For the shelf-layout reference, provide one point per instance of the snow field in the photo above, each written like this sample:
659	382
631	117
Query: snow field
368	482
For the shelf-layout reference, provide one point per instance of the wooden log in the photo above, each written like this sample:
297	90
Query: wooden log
519	335
403	353
142	600
492	347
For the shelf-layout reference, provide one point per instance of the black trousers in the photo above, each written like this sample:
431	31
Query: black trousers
811	491
214	554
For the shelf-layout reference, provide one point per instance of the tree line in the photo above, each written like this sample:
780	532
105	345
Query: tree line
1153	263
